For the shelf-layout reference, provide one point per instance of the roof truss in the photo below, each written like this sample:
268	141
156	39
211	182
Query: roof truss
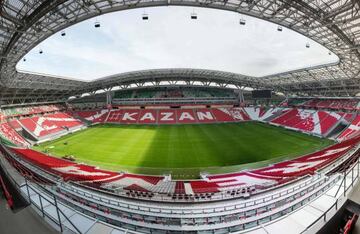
333	23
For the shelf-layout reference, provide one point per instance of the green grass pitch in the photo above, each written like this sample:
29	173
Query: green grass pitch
183	150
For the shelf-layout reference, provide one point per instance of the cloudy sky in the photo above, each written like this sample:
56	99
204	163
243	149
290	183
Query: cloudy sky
170	39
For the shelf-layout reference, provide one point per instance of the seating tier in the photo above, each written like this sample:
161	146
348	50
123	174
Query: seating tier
352	131
243	181
45	125
9	133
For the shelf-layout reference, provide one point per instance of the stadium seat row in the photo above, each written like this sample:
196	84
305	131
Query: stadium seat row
257	179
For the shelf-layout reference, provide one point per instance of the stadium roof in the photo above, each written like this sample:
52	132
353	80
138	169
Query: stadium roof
334	24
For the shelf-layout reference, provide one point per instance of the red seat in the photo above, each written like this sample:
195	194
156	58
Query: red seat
186	116
223	114
352	131
167	116
9	133
148	116
93	116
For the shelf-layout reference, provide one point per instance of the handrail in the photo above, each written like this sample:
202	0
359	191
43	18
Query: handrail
18	187
245	204
47	191
344	178
41	187
323	216
8	196
342	181
223	195
174	99
294	205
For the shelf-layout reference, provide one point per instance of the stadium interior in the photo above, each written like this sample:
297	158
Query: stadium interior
181	150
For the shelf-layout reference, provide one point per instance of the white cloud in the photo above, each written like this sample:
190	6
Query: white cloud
169	39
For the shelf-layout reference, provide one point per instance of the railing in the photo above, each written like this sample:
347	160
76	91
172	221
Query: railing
42	198
164	197
317	180
340	200
343	181
38	195
189	100
58	222
51	199
243	217
53	203
35	189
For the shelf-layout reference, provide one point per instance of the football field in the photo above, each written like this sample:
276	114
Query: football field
184	150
